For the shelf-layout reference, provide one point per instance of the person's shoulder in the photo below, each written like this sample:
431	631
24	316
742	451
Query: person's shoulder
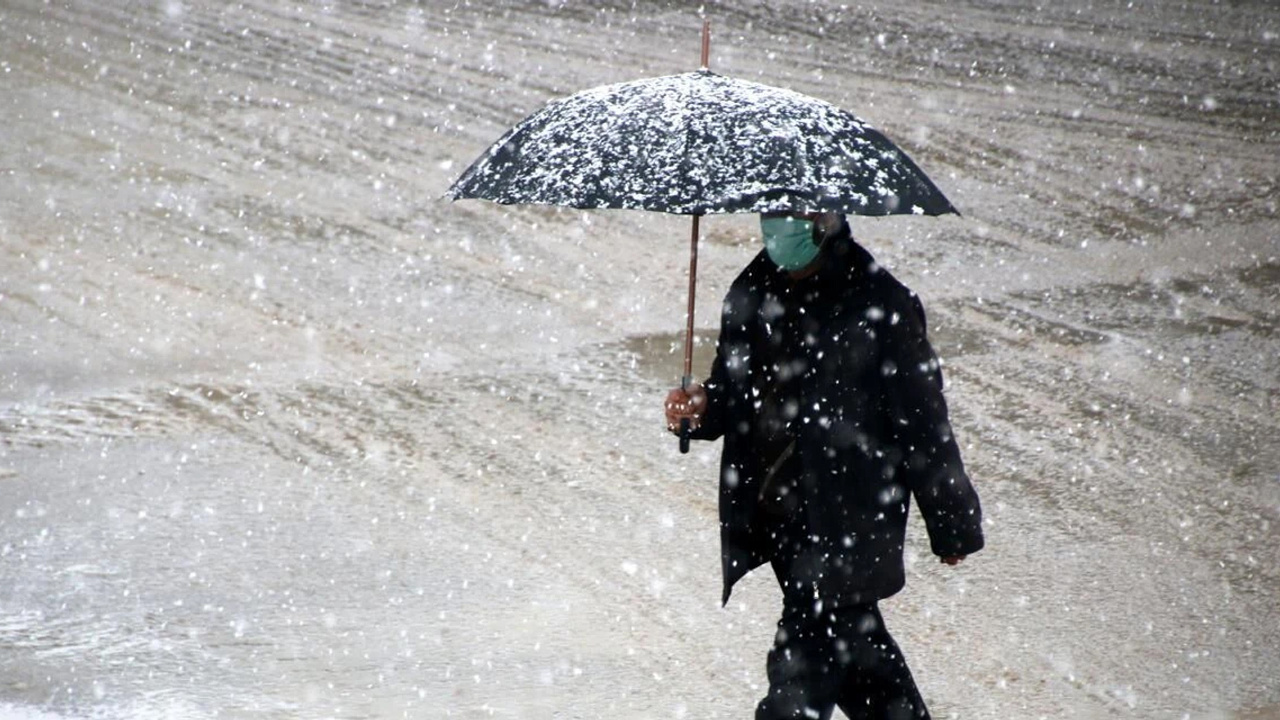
887	292
893	290
902	303
868	275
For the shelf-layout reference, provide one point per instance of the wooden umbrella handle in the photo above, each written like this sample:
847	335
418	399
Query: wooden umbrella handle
687	379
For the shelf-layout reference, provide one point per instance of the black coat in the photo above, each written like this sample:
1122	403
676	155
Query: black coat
870	424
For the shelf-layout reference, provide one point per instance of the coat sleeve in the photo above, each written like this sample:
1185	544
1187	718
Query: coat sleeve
716	386
732	365
930	463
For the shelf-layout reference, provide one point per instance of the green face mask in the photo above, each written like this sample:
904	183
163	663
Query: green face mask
789	242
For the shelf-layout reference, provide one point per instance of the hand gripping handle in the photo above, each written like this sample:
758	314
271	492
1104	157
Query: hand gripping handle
686	427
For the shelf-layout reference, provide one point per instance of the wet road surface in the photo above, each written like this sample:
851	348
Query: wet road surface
285	435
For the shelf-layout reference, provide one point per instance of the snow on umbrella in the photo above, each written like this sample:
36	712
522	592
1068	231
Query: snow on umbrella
700	143
694	144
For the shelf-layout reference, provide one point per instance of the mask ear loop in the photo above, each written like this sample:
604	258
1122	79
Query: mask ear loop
828	235
821	233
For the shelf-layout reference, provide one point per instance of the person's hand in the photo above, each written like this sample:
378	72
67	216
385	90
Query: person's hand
952	560
683	404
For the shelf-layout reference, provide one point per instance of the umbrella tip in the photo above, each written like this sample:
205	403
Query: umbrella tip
706	44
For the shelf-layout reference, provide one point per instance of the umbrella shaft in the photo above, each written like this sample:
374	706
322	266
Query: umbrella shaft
693	250
706	44
693	281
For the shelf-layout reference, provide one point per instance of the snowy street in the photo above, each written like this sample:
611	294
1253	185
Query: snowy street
284	434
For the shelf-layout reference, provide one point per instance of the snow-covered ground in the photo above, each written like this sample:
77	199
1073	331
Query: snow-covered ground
285	435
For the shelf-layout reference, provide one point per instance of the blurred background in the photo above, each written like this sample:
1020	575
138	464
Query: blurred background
283	434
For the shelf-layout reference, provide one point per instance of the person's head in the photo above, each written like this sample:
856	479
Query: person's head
794	240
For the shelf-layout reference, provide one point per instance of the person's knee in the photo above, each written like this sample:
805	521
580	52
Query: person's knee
802	685
790	666
904	709
792	703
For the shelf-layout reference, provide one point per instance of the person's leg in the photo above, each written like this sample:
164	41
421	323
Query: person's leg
804	677
877	684
804	674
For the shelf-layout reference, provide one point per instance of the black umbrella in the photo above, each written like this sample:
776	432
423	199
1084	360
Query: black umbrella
695	144
699	143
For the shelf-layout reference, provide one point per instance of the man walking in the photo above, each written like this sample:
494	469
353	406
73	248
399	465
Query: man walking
829	400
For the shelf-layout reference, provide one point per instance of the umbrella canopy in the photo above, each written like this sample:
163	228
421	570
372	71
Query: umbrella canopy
700	143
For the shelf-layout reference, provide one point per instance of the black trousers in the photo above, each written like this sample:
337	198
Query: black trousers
826	655
842	656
